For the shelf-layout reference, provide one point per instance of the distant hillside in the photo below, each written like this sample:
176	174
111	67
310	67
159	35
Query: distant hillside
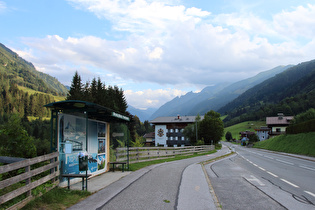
212	97
233	91
182	105
290	92
23	73
143	115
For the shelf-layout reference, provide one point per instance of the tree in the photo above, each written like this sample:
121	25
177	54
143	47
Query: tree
305	116
228	136
190	133
76	88
211	128
15	141
253	138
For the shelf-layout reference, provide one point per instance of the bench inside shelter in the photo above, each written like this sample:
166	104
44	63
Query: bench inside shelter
118	163
83	176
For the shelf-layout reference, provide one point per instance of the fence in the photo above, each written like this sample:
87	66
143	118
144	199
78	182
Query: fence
141	154
28	177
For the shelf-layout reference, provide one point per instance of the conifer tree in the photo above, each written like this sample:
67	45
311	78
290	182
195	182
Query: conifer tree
76	89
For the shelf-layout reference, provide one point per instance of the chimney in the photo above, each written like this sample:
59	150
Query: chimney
178	117
280	116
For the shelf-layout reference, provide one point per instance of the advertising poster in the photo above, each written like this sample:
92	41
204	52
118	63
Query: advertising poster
101	161
101	145
93	162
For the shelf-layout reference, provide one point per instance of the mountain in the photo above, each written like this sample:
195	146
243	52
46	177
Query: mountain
213	97
182	105
143	115
24	73
233	91
291	92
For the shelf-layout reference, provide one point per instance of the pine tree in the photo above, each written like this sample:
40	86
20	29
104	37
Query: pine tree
76	89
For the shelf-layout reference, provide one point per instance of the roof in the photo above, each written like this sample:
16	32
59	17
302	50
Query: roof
149	135
93	110
283	120
177	119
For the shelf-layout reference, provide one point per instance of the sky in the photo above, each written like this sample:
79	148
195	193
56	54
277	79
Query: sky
157	50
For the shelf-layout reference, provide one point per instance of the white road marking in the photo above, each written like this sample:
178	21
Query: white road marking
255	165
312	194
290	183
282	161
254	179
313	169
262	168
272	174
269	157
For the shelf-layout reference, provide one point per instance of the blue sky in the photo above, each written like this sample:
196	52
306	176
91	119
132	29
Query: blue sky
157	50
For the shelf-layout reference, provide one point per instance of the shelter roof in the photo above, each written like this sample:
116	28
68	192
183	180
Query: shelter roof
94	111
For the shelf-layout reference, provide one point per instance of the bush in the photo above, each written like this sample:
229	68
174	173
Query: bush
304	127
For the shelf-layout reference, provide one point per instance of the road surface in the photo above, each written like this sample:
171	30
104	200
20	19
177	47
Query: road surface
259	179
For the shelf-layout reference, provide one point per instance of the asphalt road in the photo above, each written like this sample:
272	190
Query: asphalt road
173	185
179	185
257	179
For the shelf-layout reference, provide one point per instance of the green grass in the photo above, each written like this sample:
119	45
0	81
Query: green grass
244	126
137	166
30	91
303	144
57	198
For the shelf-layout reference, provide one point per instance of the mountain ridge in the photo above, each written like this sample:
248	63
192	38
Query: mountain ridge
25	74
213	97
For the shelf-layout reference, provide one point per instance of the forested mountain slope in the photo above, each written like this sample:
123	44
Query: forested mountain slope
23	73
233	91
212	97
290	92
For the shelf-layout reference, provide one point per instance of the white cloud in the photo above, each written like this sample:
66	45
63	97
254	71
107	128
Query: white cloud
151	98
170	44
3	6
299	22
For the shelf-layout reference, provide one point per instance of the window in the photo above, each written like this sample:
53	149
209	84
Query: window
171	131
278	129
183	138
176	130
176	138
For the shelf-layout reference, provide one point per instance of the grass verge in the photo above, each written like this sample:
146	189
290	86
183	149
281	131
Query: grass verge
57	198
137	166
303	144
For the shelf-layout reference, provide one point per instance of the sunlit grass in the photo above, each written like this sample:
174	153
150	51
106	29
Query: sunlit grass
244	126
303	144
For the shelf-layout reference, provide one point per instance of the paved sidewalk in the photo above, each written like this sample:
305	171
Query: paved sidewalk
97	200
101	181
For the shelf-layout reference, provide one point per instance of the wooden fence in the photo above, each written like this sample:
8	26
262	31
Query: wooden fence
141	154
27	177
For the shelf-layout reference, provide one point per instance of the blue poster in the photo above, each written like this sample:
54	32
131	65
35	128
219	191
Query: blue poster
101	161
92	162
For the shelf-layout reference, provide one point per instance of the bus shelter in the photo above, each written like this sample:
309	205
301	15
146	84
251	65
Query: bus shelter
80	132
